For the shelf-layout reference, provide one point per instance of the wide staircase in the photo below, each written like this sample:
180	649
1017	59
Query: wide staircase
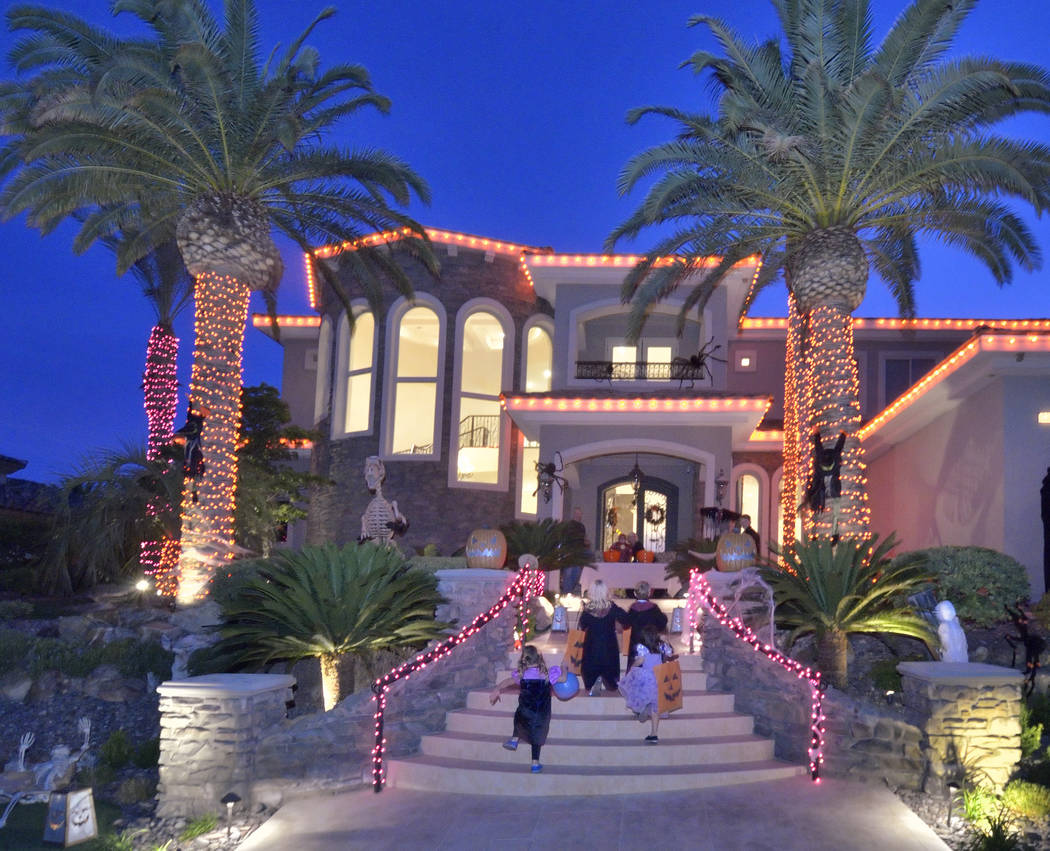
595	746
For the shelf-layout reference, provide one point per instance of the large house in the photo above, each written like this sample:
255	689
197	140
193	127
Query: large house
516	360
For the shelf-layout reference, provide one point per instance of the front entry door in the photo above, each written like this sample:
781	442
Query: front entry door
652	516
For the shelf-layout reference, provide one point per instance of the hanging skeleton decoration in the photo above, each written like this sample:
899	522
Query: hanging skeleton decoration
547	475
189	437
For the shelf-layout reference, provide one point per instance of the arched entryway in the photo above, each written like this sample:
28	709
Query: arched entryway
651	513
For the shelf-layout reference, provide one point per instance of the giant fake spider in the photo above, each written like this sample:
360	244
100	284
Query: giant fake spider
547	475
696	366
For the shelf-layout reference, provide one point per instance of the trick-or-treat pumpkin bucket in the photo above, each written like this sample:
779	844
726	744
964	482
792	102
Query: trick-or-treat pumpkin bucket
611	555
645	556
486	548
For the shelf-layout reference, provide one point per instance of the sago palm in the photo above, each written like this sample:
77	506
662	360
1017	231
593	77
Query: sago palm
553	542
829	156
190	131
834	590
331	603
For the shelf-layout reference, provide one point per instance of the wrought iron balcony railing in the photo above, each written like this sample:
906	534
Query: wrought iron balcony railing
604	370
479	431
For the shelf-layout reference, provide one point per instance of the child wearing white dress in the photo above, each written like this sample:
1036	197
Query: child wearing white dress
638	685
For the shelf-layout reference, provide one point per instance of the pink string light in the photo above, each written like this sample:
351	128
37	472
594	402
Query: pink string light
526	585
701	590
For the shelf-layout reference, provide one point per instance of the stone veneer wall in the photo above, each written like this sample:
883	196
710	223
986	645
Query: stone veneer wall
327	750
972	717
436	513
860	742
209	731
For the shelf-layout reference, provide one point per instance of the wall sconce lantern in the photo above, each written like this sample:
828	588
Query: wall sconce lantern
636	477
229	799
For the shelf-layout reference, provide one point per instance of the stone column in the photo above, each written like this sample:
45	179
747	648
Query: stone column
972	717
210	727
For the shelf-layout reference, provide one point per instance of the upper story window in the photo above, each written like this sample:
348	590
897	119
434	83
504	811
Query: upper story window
323	386
354	368
899	372
481	364
539	357
414	389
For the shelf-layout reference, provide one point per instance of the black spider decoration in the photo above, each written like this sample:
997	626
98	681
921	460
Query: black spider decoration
1033	645
696	366
547	475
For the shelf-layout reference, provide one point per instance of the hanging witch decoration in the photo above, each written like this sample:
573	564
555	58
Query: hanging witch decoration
189	437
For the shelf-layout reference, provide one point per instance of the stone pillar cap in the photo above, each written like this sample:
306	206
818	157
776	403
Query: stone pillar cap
960	673
225	685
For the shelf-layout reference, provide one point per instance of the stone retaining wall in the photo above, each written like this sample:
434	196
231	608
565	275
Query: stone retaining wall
332	750
860	741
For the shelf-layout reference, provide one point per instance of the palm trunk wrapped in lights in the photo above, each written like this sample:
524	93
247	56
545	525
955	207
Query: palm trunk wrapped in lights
793	475
159	557
221	311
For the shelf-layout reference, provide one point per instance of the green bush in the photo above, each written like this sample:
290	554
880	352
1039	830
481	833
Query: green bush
979	805
1027	799
54	654
885	676
1039	707
116	750
996	836
977	581
98	775
135	789
147	754
13	609
1041	610
133	658
14	647
1031	732
198	827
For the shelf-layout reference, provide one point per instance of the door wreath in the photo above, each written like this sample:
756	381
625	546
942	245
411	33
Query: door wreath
654	515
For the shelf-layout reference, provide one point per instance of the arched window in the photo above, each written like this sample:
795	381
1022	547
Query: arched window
416	354
748	499
323	386
354	368
539	355
480	372
751	496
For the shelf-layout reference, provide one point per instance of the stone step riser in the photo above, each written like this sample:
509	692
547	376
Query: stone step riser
691	680
600	727
637	753
685	661
418	774
607	706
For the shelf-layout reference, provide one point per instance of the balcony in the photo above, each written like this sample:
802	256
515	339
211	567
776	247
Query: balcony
680	370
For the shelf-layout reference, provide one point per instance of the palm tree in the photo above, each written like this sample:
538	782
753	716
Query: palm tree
330	603
834	590
553	542
189	130
829	156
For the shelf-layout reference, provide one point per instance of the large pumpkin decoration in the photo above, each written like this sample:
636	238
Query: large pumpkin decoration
735	551
611	555
645	556
486	548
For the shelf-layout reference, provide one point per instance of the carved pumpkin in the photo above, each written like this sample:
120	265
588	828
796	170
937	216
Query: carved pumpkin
735	551
486	548
611	555
645	556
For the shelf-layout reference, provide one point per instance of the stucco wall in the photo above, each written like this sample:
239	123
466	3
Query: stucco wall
945	483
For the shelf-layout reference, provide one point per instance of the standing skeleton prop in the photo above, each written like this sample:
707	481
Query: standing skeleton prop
382	520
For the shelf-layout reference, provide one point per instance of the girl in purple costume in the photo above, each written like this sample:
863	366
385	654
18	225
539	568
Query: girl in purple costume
532	719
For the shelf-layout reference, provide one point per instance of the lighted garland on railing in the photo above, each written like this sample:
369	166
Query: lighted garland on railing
699	587
525	585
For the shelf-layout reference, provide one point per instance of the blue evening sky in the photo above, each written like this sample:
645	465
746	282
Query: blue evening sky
513	111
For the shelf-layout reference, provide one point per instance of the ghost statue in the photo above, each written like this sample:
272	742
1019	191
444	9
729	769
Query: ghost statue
953	639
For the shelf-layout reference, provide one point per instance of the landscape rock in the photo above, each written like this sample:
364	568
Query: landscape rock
15	685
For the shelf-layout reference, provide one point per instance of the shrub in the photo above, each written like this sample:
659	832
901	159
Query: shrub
147	754
135	789
116	750
1039	707
1027	799
13	609
885	676
134	658
979	805
1031	732
98	775
977	581
14	648
1041	610
997	836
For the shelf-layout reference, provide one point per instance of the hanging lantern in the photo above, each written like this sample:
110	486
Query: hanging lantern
486	548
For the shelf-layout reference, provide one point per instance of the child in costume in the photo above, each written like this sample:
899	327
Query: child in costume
638	685
532	719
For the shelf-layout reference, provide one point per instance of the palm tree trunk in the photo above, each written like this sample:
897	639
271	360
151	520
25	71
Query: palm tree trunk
159	558
834	389
337	677
832	650
792	471
221	311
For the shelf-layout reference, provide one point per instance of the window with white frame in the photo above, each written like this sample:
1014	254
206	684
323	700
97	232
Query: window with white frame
417	371
539	356
749	498
356	348
480	424
323	386
528	498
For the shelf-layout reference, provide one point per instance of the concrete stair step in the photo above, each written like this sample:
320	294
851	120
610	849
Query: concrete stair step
570	725
609	703
604	751
498	778
691	680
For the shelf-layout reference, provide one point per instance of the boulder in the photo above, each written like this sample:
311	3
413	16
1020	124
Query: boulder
47	685
15	685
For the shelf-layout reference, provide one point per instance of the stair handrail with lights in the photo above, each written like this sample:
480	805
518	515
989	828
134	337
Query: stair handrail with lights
528	583
700	593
